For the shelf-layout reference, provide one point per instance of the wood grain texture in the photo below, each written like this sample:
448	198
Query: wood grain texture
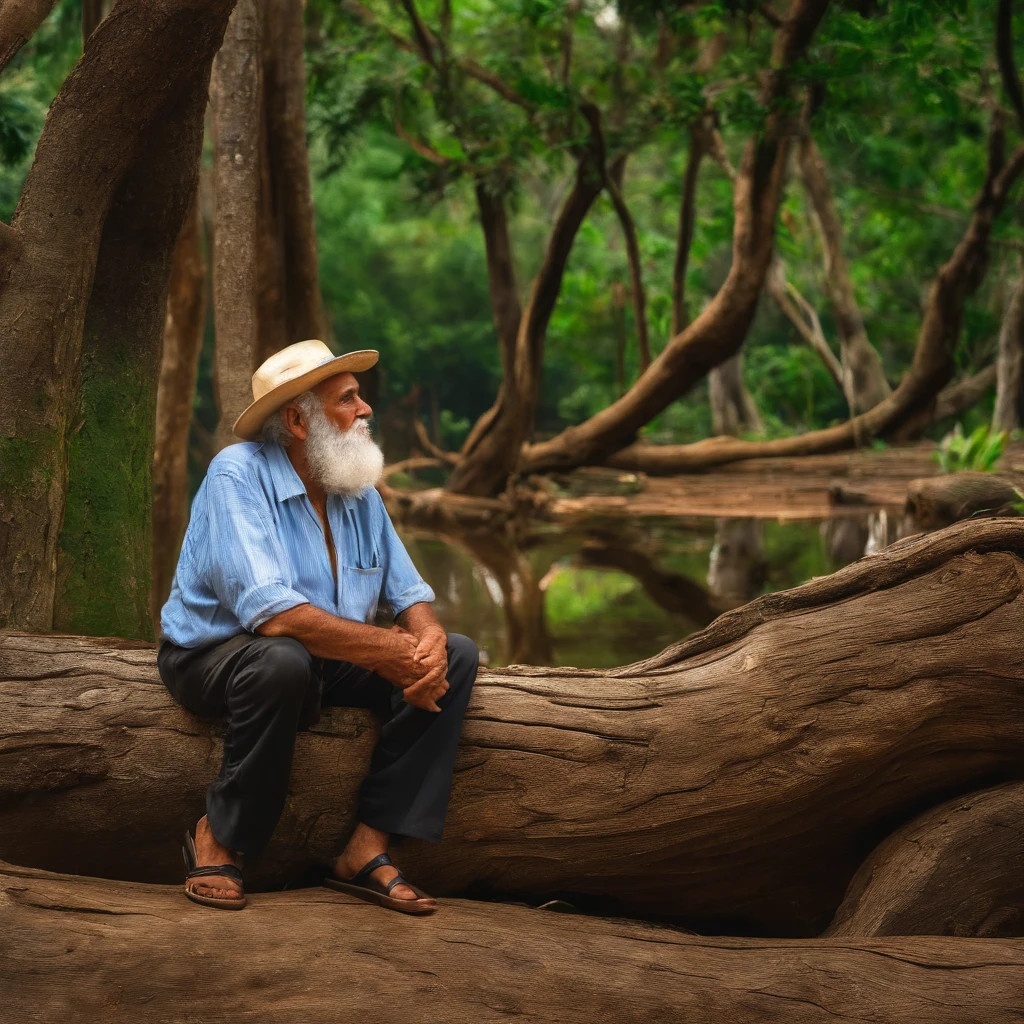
740	777
85	950
958	869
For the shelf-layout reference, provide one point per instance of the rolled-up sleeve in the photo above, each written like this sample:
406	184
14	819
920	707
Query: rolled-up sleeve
249	567
403	585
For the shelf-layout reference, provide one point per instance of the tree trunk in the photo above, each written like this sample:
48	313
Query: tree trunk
19	20
913	402
105	556
95	951
700	142
1008	414
235	92
958	869
864	380
138	68
288	162
733	410
179	365
736	568
721	328
835	709
487	465
938	501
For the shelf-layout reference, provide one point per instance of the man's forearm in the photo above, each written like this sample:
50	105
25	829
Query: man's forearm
419	619
327	636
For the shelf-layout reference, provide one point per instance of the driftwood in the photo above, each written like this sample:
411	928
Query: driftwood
90	951
934	502
956	870
737	779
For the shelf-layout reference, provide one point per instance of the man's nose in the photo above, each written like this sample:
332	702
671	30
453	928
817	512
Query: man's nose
364	412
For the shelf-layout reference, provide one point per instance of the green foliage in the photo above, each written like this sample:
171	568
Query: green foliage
979	451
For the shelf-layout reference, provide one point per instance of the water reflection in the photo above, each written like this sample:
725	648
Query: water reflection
605	594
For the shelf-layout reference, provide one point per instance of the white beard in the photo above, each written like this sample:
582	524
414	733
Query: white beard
341	461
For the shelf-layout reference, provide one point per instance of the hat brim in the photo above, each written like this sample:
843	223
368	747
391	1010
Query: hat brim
249	425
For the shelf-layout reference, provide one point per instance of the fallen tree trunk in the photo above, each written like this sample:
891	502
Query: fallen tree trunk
956	870
101	951
737	779
938	501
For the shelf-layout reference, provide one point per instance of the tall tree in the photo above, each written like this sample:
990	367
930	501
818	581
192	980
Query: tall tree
235	92
138	79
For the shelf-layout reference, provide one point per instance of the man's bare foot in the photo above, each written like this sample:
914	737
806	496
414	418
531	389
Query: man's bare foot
209	852
364	845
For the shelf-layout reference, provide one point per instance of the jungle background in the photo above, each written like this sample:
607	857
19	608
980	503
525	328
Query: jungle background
417	139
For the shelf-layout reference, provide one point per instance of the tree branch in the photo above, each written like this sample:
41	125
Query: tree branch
612	180
466	65
422	35
913	402
418	146
423	440
700	143
718	333
804	318
1004	56
19	20
959	397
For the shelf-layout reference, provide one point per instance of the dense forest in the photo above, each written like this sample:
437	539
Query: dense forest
701	384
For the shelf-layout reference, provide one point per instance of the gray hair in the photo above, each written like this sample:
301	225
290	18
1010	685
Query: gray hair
274	429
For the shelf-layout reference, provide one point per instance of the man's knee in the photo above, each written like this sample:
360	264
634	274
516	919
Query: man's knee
282	669
463	659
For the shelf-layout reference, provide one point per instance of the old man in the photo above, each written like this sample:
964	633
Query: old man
271	616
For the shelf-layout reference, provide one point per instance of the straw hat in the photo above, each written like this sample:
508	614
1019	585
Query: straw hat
290	372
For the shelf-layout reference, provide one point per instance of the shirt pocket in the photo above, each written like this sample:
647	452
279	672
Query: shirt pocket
360	592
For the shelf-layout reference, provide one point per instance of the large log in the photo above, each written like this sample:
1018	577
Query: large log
737	779
91	951
956	870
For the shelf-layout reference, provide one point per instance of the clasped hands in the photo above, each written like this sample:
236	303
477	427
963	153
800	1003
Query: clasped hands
417	665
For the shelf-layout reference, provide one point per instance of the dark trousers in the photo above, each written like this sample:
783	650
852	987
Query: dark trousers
270	687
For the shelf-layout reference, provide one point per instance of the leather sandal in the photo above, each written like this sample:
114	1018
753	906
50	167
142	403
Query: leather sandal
188	851
362	886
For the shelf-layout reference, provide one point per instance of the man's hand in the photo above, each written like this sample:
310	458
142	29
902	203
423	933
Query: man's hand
432	657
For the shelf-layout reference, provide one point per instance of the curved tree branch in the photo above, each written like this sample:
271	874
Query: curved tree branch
719	331
19	20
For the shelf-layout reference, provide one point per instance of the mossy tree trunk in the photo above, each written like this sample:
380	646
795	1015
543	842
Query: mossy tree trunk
136	78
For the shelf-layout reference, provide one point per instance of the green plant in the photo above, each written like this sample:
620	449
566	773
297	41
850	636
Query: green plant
978	451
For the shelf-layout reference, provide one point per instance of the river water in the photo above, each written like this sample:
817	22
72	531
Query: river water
612	593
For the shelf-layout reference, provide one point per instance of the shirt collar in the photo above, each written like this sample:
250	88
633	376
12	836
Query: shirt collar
282	473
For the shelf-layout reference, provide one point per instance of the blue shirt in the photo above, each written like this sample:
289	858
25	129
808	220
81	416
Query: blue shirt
255	547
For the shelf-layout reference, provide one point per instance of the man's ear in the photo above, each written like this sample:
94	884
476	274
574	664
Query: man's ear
295	422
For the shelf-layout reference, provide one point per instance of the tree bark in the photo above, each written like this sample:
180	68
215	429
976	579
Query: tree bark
958	869
913	402
719	331
179	365
83	949
284	94
19	20
1008	414
141	61
235	91
863	374
733	410
835	709
105	555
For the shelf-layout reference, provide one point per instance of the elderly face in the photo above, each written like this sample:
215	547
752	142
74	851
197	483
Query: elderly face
341	401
